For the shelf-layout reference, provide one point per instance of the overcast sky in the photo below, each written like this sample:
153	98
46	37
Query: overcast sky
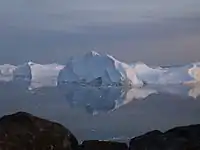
157	32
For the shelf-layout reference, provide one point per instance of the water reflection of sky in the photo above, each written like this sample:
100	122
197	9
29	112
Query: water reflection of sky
104	113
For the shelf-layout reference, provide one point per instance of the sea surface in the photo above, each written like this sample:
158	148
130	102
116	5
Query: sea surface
109	113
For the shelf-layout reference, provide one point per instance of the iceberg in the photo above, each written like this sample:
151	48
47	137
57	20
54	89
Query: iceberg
176	75
168	75
6	72
147	74
194	72
37	75
98	70
22	72
44	75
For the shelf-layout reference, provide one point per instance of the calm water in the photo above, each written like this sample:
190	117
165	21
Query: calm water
106	113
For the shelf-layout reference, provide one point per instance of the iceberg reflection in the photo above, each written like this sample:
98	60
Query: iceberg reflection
194	91
107	99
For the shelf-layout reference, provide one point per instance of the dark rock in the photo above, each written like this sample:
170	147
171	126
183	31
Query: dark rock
147	141
180	138
191	132
22	131
102	145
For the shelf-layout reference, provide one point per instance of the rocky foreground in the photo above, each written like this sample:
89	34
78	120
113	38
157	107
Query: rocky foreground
23	131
